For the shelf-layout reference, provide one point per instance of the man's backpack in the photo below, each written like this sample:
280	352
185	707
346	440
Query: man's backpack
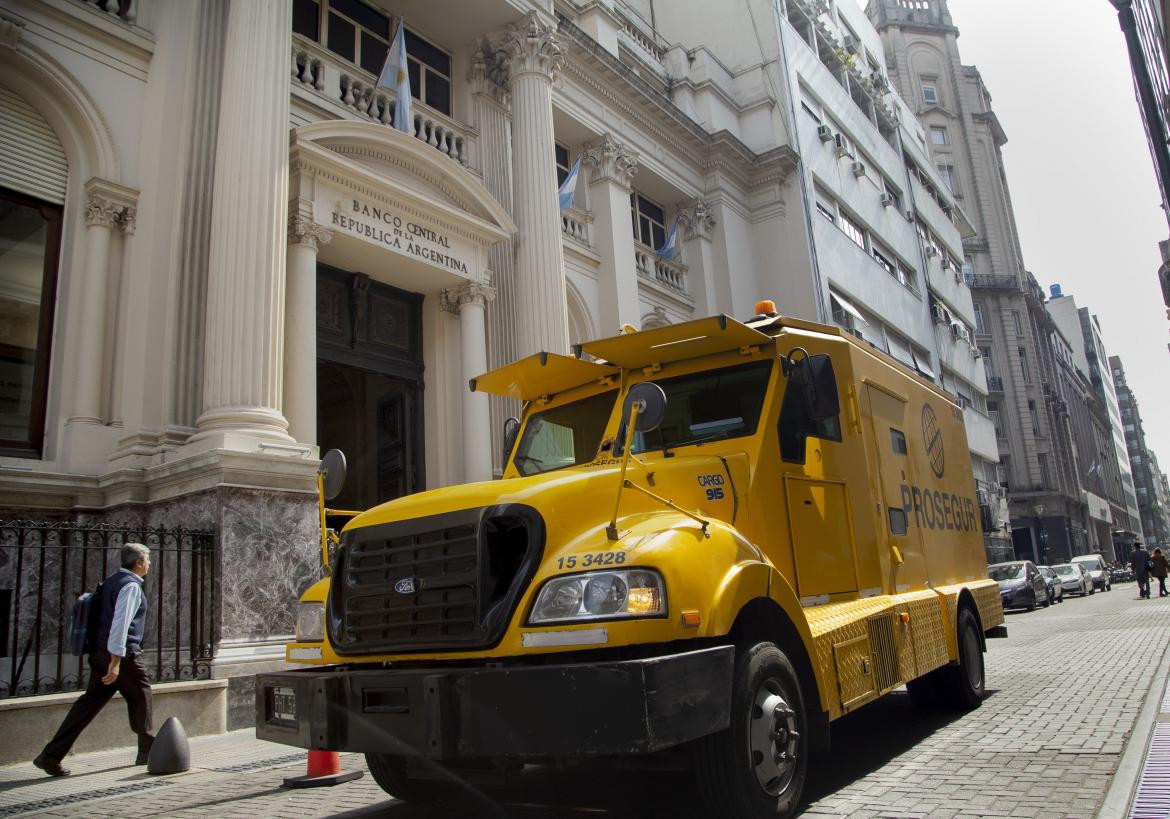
83	623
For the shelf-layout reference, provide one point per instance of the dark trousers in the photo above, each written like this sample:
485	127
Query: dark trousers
134	687
1162	586
1143	582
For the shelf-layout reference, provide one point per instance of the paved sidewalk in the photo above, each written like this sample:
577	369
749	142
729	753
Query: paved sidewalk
1065	692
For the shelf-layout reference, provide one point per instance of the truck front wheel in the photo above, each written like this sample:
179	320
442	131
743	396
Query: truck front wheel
389	771
757	766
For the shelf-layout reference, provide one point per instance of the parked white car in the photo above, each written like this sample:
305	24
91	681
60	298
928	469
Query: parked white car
1074	579
1098	572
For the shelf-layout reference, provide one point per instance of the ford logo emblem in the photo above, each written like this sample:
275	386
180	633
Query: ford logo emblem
405	586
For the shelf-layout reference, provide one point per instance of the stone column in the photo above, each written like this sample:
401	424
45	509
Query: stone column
468	301
300	327
242	373
534	56
611	168
491	109
107	205
697	221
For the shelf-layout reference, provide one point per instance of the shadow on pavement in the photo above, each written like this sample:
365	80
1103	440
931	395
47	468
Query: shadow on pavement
862	743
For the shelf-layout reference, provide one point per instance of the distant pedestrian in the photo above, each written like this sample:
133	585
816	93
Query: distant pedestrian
115	662
1161	568
1139	558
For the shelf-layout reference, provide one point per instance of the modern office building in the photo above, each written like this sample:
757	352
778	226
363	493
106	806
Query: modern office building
1105	468
1014	334
1147	475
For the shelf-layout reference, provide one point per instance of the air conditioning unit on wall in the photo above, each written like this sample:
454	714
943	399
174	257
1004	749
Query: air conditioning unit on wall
858	168
931	250
825	133
886	200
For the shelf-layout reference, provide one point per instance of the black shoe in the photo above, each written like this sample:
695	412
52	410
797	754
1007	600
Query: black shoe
50	767
142	757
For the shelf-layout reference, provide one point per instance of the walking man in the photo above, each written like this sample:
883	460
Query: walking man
115	662
1139	558
1160	570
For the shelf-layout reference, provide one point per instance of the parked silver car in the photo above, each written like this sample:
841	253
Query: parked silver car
1055	587
1073	578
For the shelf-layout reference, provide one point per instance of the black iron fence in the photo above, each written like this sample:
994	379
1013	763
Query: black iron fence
46	565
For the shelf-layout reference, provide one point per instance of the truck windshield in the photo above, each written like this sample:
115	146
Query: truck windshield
709	405
563	436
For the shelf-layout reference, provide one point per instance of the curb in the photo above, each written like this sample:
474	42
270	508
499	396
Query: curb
1119	796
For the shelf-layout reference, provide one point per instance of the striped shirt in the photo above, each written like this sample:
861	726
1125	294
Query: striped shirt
129	599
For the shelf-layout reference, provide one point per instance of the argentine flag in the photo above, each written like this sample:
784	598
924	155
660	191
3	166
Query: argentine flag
669	250
569	186
395	76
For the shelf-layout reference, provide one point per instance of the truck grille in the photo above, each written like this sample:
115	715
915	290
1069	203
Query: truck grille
441	582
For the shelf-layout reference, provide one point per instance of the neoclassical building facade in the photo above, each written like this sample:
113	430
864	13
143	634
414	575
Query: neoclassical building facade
221	259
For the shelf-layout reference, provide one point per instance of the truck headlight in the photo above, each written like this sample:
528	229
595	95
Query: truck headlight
604	595
310	622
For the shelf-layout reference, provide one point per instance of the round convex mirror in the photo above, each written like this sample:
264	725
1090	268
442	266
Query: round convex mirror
652	409
332	470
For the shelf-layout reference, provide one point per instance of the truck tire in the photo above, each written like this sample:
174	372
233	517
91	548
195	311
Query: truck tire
962	686
389	771
757	765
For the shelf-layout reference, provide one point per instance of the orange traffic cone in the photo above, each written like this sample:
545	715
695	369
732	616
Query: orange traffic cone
324	768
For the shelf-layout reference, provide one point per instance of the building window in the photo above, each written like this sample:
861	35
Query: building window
562	159
929	93
885	259
968	272
894	194
907	277
938	136
947	172
1045	478
361	34
980	327
853	230
1024	365
649	221
1033	416
824	210
1016	321
30	235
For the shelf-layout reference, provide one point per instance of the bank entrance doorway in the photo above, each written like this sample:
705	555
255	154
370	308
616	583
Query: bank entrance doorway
369	385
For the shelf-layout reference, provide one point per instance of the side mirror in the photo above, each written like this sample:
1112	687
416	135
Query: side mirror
814	373
332	472
651	401
511	430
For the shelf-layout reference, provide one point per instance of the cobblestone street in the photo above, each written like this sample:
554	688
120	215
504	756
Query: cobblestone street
1065	691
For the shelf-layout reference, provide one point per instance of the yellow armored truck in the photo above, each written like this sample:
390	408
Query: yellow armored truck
714	537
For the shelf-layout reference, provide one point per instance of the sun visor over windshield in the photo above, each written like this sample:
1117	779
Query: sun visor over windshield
675	342
539	375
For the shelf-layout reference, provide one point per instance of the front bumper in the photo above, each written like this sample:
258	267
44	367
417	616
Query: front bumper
1017	598
619	707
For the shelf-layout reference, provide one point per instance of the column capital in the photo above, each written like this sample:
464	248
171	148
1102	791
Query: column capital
489	73
109	204
532	47
608	159
452	299
304	231
696	220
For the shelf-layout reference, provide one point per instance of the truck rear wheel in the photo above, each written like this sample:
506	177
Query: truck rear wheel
389	771
757	765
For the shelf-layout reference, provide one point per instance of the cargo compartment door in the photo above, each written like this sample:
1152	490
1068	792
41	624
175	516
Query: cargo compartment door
891	442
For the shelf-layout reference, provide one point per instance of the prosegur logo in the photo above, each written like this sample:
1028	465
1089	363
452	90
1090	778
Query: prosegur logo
932	436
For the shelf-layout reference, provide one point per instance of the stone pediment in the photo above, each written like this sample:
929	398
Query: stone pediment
381	163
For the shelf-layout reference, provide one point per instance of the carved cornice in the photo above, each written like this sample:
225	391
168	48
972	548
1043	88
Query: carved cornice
304	231
452	299
696	220
489	73
609	160
10	31
532	47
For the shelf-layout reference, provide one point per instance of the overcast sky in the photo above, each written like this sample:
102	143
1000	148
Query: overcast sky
1080	173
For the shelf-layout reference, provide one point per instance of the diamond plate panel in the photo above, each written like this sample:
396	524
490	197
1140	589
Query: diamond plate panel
927	630
854	671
